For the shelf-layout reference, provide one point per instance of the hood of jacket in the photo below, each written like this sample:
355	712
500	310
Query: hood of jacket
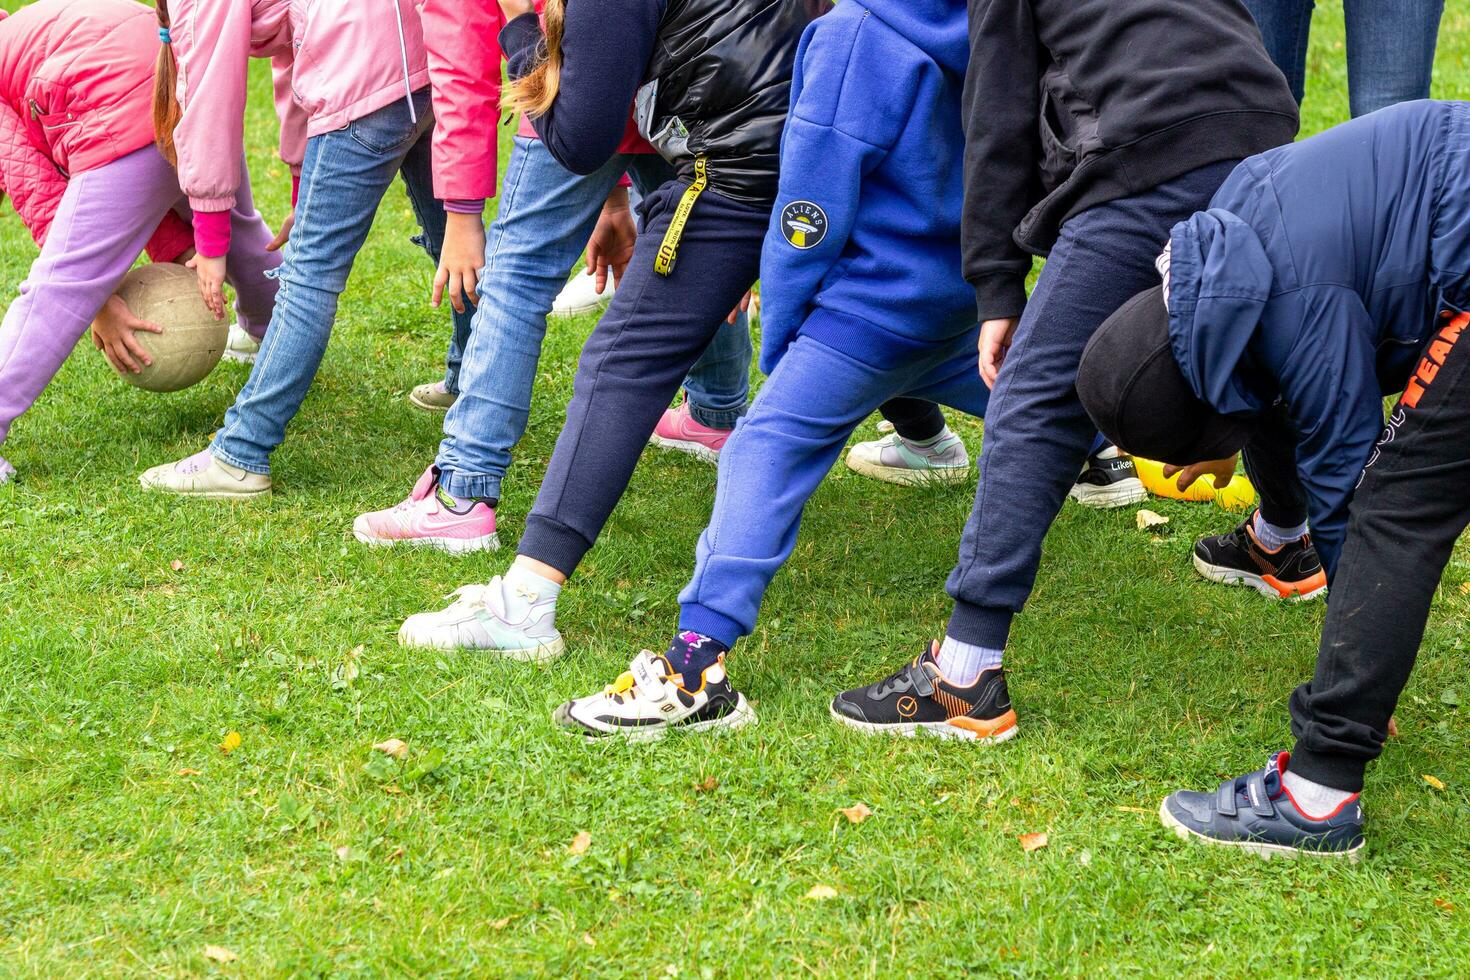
1219	281
939	28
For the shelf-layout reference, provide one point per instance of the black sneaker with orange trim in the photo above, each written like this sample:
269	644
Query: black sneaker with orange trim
917	699
1292	571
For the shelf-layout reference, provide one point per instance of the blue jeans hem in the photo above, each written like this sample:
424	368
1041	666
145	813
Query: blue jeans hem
469	485
218	453
716	420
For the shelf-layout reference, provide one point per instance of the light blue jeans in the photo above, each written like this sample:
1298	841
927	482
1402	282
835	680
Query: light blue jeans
1390	47
343	179
546	215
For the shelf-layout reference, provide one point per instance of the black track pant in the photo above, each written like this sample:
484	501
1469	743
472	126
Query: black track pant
1408	511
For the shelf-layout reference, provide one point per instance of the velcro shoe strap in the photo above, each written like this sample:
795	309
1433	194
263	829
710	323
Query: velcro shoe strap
649	679
922	680
1225	799
1255	788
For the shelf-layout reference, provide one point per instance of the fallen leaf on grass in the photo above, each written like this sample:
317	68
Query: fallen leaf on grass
820	893
1434	782
587	938
219	954
856	813
1033	842
176	565
1137	809
1147	519
231	742
190	772
580	843
499	924
1393	727
1445	904
396	747
1465	587
708	785
343	853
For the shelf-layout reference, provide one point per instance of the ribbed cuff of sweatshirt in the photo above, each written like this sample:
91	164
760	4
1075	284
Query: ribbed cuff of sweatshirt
1341	772
999	295
703	619
465	206
553	543
985	626
519	40
212	233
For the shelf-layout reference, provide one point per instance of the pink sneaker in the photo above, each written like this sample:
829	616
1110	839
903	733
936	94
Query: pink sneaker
428	518
679	430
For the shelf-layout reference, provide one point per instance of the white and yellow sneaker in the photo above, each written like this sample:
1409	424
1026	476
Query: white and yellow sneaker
647	702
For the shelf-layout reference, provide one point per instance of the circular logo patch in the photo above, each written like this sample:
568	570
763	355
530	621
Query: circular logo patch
804	224
907	706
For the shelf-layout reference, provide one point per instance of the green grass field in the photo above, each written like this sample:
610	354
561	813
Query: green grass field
137	631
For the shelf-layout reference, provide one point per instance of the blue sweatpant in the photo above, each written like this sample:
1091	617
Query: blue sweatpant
1037	433
779	453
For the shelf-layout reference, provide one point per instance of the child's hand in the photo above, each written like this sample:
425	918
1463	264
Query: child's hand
211	274
284	234
742	307
113	334
460	260
612	241
1221	470
995	340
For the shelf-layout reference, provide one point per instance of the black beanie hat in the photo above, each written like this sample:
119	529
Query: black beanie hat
1138	398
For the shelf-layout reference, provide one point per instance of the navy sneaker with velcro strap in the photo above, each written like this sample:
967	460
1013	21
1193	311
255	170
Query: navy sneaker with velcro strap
1256	813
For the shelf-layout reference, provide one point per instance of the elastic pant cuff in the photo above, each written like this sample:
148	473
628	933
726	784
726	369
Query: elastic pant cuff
1341	772
716	420
985	626
465	486
235	461
702	619
553	543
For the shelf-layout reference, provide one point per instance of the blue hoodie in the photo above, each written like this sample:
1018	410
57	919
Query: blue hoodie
1315	278
863	252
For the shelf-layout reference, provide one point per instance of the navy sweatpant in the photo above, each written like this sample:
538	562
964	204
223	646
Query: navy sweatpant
652	333
780	452
1036	433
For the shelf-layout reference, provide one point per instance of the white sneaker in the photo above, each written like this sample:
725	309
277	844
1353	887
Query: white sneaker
513	621
894	459
6	471
645	704
1108	480
580	296
241	347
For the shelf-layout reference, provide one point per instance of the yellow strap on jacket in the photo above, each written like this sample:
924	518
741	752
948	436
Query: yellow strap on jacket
668	250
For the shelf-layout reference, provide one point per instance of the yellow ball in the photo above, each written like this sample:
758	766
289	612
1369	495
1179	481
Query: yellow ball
1236	495
192	341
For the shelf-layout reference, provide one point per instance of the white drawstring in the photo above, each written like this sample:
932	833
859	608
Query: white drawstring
403	51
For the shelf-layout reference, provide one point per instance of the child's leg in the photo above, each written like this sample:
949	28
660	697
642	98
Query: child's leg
343	179
248	266
418	178
913	418
631	366
102	223
546	215
794	432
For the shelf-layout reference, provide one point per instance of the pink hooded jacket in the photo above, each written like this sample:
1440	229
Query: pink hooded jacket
76	83
334	61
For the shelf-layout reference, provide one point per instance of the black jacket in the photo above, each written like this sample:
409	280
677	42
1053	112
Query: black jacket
1071	103
719	85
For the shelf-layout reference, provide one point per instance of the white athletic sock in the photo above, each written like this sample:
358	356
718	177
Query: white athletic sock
1313	799
520	584
963	663
1273	537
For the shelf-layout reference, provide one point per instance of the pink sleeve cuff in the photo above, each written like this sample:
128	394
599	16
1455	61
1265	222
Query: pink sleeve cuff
625	182
295	189
212	233
465	207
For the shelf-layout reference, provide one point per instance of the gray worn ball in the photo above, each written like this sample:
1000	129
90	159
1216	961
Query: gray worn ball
192	340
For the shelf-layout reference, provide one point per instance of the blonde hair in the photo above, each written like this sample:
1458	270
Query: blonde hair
534	92
166	108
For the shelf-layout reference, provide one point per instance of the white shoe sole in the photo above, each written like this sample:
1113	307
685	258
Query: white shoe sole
207	494
1259	848
240	357
416	402
538	654
1234	576
567	312
696	449
904	477
1121	494
742	715
450	546
937	729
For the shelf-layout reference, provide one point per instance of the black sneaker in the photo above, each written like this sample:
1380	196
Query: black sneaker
1108	479
917	698
1293	571
1255	813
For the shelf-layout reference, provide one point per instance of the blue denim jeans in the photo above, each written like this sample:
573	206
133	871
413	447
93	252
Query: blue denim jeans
546	215
343	179
1390	46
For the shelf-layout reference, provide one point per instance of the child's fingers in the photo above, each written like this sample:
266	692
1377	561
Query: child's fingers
471	286
136	349
456	290
118	355
146	326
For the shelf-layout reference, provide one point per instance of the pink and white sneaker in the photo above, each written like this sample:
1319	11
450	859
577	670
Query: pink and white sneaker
679	430
430	518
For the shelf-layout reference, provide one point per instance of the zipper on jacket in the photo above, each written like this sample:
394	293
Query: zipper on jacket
37	113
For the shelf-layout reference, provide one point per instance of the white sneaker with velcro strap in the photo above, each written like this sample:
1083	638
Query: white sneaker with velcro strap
647	702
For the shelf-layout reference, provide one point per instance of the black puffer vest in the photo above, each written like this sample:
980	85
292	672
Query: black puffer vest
718	86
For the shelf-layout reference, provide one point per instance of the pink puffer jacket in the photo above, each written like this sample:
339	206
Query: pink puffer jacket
335	61
76	82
